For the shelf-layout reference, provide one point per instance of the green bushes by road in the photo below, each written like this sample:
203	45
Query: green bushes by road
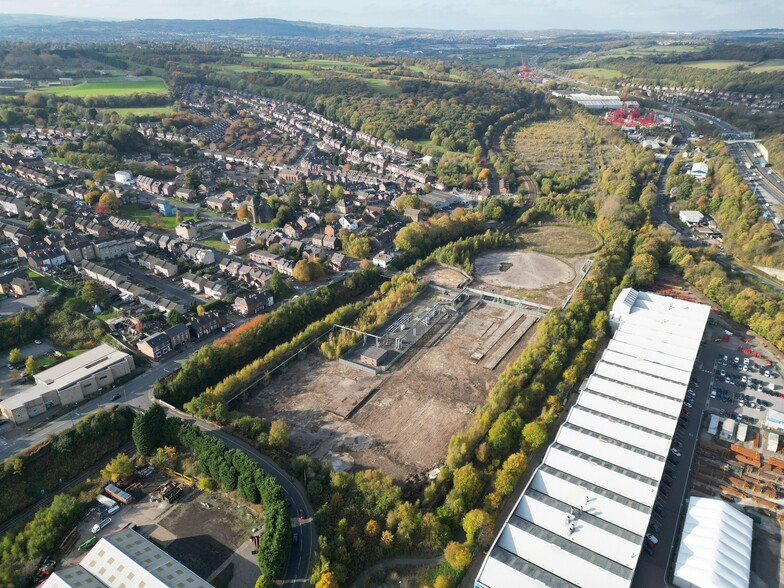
27	477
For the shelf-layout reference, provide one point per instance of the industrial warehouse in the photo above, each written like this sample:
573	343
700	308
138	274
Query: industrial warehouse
582	519
68	382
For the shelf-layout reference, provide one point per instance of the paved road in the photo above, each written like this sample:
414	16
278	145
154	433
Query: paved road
138	394
167	287
661	217
651	571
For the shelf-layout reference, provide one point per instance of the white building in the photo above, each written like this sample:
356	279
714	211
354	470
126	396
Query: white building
715	548
126	559
582	518
699	170
68	382
691	217
123	177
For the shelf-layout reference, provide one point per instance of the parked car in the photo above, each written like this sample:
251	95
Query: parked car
675	452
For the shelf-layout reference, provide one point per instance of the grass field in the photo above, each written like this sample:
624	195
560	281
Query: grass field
715	63
140	111
553	145
111	87
598	72
427	144
290	61
41	281
143	214
215	244
654	50
769	65
381	86
560	240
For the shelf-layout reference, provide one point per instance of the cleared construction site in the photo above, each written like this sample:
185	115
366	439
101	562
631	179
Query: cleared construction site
395	399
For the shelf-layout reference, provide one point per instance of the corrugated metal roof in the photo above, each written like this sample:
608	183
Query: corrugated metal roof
582	518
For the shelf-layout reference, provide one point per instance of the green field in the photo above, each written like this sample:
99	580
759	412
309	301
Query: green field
142	214
769	65
111	87
715	63
140	111
428	145
41	281
291	61
215	244
598	72
381	86
654	50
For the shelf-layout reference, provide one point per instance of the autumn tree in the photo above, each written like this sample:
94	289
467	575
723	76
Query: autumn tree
32	366
279	434
457	555
327	580
120	467
15	357
474	522
108	203
308	271
242	212
534	434
372	528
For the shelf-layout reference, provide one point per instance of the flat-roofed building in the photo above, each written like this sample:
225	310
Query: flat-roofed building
87	372
126	559
29	403
582	519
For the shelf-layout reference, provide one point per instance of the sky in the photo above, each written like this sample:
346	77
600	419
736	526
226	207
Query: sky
659	15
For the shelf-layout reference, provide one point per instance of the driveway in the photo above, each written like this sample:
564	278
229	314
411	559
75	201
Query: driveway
10	306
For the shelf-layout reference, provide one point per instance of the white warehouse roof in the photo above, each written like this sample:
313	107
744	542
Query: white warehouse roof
583	516
126	559
715	549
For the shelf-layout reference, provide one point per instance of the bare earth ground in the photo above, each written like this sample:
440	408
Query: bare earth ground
528	274
203	537
526	270
445	276
410	412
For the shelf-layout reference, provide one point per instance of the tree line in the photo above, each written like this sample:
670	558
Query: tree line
234	471
212	363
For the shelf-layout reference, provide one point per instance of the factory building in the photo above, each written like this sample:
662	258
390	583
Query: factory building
582	519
